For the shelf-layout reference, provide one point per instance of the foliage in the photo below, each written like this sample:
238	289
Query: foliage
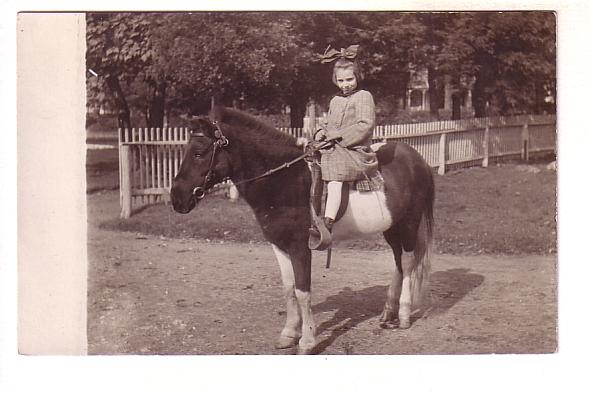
119	52
229	56
180	62
511	57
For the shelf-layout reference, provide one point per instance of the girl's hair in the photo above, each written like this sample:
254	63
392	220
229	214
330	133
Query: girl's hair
345	63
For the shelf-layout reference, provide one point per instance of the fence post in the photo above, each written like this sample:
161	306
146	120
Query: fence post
486	147
442	153
121	136
125	151
524	154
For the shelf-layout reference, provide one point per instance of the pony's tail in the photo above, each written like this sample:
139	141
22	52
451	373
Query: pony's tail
420	276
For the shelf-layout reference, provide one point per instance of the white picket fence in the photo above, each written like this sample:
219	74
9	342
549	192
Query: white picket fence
150	158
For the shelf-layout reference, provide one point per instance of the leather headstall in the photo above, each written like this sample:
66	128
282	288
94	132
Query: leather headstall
219	141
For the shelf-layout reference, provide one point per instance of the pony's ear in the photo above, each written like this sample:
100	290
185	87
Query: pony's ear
200	124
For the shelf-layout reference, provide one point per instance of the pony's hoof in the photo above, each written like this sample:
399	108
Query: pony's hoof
386	320
285	342
404	324
386	316
306	350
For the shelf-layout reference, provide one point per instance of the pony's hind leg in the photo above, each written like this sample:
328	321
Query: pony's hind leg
407	275
291	332
414	274
405	298
393	291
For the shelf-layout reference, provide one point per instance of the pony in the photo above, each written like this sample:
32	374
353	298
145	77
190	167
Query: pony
233	144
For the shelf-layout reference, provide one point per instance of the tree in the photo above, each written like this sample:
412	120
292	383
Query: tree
392	43
510	55
155	63
117	50
228	56
526	55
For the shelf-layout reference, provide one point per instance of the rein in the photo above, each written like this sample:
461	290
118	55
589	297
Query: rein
303	156
221	141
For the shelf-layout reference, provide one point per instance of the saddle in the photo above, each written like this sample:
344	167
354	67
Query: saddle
318	196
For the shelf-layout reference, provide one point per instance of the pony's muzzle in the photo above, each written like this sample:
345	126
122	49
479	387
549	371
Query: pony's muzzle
199	193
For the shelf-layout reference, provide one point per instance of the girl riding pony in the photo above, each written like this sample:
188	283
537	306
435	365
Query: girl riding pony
350	122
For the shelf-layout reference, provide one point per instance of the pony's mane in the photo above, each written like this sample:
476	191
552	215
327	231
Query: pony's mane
264	130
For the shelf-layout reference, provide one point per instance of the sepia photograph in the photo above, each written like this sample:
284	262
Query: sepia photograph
410	155
198	187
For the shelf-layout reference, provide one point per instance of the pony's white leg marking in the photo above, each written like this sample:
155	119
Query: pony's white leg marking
292	331
415	277
405	299
393	294
308	338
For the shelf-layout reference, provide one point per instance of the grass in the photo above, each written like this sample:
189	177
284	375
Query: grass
506	209
503	209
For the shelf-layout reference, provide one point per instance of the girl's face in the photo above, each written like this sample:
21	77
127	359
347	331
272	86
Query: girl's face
346	80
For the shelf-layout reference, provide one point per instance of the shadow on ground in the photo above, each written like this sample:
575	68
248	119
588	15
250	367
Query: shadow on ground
352	307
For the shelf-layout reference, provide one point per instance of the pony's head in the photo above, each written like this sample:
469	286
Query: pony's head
205	163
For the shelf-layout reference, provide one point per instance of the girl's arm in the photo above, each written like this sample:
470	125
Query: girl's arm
362	129
320	132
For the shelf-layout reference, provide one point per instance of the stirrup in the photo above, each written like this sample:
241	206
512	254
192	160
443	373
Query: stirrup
320	237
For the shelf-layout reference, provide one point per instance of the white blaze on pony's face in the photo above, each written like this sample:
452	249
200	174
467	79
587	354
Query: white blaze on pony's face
346	80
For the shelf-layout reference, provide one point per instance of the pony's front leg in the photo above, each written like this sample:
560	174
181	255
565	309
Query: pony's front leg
291	333
308	339
301	260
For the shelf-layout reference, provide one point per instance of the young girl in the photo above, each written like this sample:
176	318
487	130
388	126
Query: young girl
350	123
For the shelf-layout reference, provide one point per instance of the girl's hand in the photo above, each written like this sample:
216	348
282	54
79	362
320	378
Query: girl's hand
333	136
320	135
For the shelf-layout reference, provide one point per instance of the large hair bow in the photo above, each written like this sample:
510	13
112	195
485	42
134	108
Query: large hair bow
332	54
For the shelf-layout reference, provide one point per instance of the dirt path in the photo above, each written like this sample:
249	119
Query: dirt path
152	295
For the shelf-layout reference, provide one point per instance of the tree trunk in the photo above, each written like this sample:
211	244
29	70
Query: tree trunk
433	91
479	99
156	108
456	115
448	93
220	99
297	114
167	118
123	113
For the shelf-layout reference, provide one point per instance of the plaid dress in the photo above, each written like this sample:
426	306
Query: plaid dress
352	118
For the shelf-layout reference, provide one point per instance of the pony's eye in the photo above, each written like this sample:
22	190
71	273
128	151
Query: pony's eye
197	155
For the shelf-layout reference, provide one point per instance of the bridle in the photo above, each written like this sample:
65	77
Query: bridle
220	141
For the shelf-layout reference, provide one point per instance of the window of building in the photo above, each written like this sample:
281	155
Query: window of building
416	98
